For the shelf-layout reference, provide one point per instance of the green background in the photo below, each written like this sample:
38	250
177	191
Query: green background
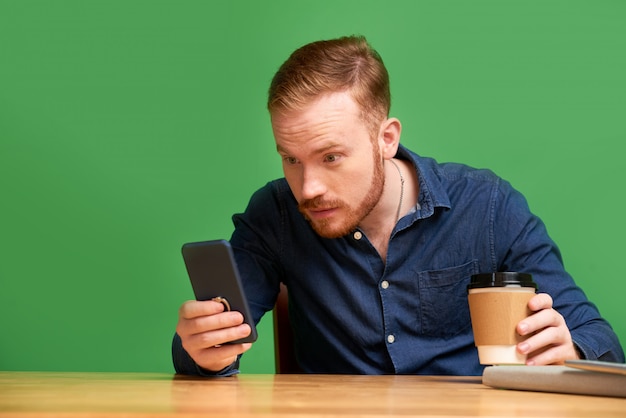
130	127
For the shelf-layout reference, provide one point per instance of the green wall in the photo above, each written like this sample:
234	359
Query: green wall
130	127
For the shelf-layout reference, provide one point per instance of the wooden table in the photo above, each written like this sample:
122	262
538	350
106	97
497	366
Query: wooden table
34	394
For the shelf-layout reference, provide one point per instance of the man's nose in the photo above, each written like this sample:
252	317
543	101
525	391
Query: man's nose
312	184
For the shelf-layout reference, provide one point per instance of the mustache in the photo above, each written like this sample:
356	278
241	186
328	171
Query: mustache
319	202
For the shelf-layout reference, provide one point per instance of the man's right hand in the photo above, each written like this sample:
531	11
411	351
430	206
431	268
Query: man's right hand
204	329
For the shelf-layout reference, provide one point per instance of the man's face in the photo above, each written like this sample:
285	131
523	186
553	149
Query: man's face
333	169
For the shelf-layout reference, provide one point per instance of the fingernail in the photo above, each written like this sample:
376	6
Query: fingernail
523	327
523	348
236	317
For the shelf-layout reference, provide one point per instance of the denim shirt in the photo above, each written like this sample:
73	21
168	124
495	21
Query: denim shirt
353	313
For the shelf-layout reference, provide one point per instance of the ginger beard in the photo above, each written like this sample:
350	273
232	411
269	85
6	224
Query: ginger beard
328	227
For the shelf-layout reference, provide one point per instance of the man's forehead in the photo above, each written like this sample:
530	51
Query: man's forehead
342	101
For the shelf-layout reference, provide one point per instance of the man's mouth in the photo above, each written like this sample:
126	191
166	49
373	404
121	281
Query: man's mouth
320	213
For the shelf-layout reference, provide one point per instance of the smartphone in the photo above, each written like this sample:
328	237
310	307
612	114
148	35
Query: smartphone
213	274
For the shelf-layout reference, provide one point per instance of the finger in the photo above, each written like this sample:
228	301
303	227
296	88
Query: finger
552	344
538	321
216	358
214	322
547	337
552	355
210	339
540	301
555	353
194	308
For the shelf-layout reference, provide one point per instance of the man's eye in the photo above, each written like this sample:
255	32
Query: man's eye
290	160
331	158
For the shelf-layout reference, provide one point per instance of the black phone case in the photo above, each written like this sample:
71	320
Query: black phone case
213	274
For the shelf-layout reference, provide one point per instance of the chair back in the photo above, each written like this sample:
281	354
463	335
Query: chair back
284	355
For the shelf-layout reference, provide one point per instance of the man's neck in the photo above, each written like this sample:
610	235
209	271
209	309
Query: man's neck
398	198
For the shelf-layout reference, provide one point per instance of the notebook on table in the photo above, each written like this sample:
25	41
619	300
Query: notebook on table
582	377
598	366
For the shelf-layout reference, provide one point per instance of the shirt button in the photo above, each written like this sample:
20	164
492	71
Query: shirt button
391	338
384	284
358	235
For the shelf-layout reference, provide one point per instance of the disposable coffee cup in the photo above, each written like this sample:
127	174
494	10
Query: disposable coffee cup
498	302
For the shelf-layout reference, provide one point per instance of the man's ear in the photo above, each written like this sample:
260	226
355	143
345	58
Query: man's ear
389	137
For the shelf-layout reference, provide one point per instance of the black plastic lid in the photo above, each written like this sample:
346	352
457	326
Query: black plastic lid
501	279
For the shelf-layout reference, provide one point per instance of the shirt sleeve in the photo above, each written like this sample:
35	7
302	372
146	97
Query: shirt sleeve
184	364
522	243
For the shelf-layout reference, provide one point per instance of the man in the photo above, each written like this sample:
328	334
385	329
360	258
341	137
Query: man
377	244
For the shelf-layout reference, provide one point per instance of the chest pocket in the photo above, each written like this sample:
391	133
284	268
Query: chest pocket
443	300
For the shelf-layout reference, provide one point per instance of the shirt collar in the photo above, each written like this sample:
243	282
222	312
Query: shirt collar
432	193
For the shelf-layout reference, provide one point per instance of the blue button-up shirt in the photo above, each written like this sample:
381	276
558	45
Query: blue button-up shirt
354	313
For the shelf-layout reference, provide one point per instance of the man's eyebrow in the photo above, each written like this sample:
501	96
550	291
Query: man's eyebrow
320	150
328	147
